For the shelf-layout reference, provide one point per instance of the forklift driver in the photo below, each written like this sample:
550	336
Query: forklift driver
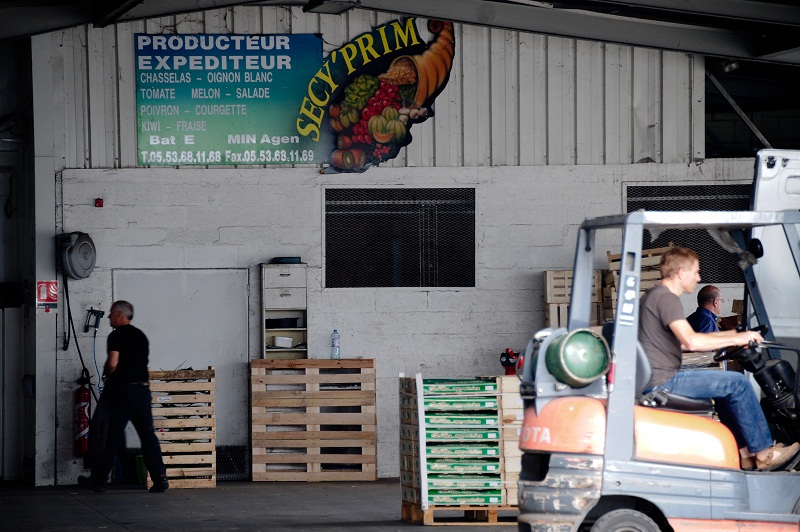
664	332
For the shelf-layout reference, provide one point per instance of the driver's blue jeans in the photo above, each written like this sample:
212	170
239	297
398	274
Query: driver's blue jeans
735	401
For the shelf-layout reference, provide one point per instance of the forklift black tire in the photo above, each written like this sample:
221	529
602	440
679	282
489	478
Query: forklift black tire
625	521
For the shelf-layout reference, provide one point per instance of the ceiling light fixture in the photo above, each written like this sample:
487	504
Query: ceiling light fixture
730	66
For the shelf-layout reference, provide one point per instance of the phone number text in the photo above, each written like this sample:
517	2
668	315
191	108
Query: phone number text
225	156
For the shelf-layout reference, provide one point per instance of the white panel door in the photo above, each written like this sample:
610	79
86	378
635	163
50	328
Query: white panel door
195	319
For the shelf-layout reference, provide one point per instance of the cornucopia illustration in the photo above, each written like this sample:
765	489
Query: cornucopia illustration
372	120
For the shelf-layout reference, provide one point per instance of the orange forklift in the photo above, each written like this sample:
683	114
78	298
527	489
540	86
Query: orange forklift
599	456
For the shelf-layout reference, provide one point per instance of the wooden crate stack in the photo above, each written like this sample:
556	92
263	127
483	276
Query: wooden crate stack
313	420
558	285
737	315
451	453
650	276
183	416
511	415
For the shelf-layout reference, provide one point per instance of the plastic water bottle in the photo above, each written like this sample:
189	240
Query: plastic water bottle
335	344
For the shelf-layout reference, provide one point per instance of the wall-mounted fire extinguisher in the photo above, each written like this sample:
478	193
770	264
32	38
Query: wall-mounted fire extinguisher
83	411
508	359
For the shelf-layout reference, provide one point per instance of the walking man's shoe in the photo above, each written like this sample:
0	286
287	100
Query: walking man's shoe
160	485
90	483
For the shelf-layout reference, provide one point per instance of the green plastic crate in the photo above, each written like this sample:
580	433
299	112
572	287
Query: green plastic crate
462	450
454	386
447	404
434	434
457	420
464	482
458	497
456	465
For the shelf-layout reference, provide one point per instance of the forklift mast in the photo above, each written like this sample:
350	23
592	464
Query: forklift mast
776	187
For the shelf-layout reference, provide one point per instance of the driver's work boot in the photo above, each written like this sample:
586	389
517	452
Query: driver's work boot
778	457
160	484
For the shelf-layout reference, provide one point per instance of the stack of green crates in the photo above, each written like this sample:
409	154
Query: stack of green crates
462	441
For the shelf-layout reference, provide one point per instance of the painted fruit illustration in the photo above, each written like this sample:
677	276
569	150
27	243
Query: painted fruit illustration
373	119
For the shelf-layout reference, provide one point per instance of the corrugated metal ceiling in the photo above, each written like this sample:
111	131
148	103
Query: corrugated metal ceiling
751	46
763	30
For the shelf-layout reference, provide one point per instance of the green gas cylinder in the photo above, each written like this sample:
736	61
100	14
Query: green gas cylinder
578	358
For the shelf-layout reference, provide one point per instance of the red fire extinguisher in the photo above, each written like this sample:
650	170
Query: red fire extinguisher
508	359
83	411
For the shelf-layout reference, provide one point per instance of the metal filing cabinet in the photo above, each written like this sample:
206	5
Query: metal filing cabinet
283	288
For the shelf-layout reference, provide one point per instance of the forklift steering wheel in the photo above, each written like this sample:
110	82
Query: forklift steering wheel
726	353
741	353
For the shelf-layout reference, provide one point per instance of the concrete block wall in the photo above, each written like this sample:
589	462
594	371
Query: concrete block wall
527	221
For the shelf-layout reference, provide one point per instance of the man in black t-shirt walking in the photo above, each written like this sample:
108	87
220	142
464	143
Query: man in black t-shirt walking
126	397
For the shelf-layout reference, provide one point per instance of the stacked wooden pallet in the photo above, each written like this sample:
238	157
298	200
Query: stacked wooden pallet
736	318
451	451
313	420
558	286
511	415
183	416
650	276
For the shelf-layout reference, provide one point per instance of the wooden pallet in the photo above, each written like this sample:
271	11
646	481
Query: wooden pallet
651	258
313	420
647	279
558	286
556	315
459	515
185	423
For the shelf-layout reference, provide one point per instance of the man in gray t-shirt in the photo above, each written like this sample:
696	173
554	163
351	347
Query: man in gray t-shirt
659	306
664	333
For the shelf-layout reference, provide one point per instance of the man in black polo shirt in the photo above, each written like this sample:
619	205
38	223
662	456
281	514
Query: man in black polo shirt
126	397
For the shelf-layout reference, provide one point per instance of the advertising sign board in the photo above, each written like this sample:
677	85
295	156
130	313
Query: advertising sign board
227	99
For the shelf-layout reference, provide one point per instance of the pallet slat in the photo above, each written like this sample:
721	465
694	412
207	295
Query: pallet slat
325	379
556	315
187	433
319	363
303	458
558	286
650	259
313	435
320	476
167	436
296	406
449	515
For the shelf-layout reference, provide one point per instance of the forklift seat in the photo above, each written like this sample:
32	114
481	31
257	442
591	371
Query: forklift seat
658	398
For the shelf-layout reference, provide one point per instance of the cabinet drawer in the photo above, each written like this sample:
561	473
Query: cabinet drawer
283	275
288	297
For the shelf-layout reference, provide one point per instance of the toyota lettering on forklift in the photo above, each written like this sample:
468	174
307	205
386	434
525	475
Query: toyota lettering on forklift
599	454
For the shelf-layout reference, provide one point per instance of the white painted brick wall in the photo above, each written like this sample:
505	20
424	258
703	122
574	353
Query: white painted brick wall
194	218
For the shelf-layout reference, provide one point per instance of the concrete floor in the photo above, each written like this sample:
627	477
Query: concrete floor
323	506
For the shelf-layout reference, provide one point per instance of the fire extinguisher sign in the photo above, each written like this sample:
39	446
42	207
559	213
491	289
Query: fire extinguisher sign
46	295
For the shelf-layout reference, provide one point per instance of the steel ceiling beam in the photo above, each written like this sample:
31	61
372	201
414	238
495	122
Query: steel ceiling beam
752	11
40	17
592	26
708	27
105	12
161	8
